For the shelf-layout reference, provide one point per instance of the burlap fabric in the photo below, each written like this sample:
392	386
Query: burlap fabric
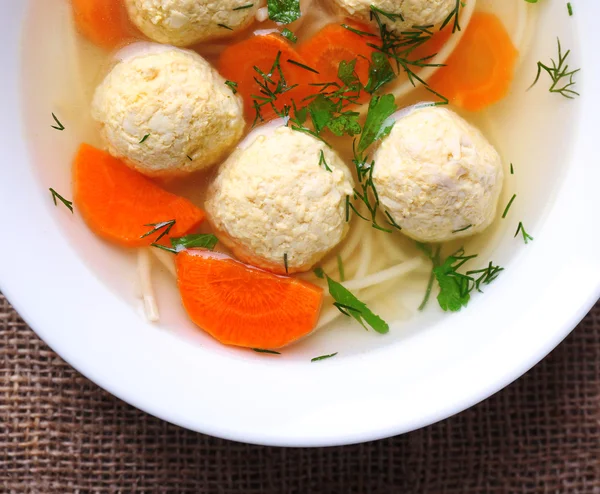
60	433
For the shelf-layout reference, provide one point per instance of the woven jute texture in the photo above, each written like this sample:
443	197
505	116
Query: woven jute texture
60	433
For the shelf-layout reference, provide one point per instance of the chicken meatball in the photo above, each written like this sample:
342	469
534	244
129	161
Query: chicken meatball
280	200
186	22
412	12
167	112
438	176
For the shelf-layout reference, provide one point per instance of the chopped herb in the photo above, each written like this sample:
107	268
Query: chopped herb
388	15
323	162
512	169
56	195
462	229
58	126
378	123
232	85
286	33
145	138
340	265
243	7
284	11
391	221
356	31
512	199
526	236
225	26
350	306
189	157
302	66
570	9
434	257
200	240
285	262
455	287
323	357
262	350
319	273
455	14
399	47
561	76
163	225
270	90
380	72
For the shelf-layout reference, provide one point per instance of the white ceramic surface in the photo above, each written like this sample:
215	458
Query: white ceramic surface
440	368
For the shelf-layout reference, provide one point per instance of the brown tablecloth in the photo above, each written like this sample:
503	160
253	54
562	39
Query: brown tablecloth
60	433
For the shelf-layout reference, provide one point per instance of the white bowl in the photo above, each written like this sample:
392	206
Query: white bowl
54	271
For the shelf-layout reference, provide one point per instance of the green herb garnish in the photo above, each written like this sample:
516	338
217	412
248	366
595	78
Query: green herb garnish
455	14
262	350
56	195
357	31
285	262
512	169
286	33
59	125
144	139
165	226
526	236
232	85
193	241
225	26
284	11
323	162
350	306
562	78
302	66
243	7
380	72
569	9
323	357
462	229
434	257
512	199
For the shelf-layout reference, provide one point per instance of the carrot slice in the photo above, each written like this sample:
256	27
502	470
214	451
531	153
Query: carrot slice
104	22
480	70
333	44
237	64
117	202
245	306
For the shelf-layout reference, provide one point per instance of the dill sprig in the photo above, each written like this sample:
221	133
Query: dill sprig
526	236
399	47
560	74
323	357
270	90
165	226
454	17
59	125
56	196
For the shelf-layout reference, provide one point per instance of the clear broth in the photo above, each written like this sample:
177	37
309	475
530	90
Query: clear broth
69	68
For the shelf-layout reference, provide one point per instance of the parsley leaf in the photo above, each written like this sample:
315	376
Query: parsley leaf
284	11
350	306
200	240
455	288
377	124
380	72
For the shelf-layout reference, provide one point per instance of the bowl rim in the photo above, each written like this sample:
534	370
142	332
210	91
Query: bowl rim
300	405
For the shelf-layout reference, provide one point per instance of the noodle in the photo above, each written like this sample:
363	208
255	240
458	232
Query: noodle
387	274
165	259
145	276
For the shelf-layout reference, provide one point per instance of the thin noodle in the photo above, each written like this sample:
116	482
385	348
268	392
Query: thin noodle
385	275
166	259
145	275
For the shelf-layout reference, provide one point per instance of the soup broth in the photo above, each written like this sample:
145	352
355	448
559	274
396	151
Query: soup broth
69	67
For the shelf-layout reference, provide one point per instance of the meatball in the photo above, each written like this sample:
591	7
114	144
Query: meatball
186	22
281	199
413	12
167	112
438	176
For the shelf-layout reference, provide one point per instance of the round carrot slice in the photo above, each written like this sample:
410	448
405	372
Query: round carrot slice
117	202
335	43
238	63
245	306
481	69
104	22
